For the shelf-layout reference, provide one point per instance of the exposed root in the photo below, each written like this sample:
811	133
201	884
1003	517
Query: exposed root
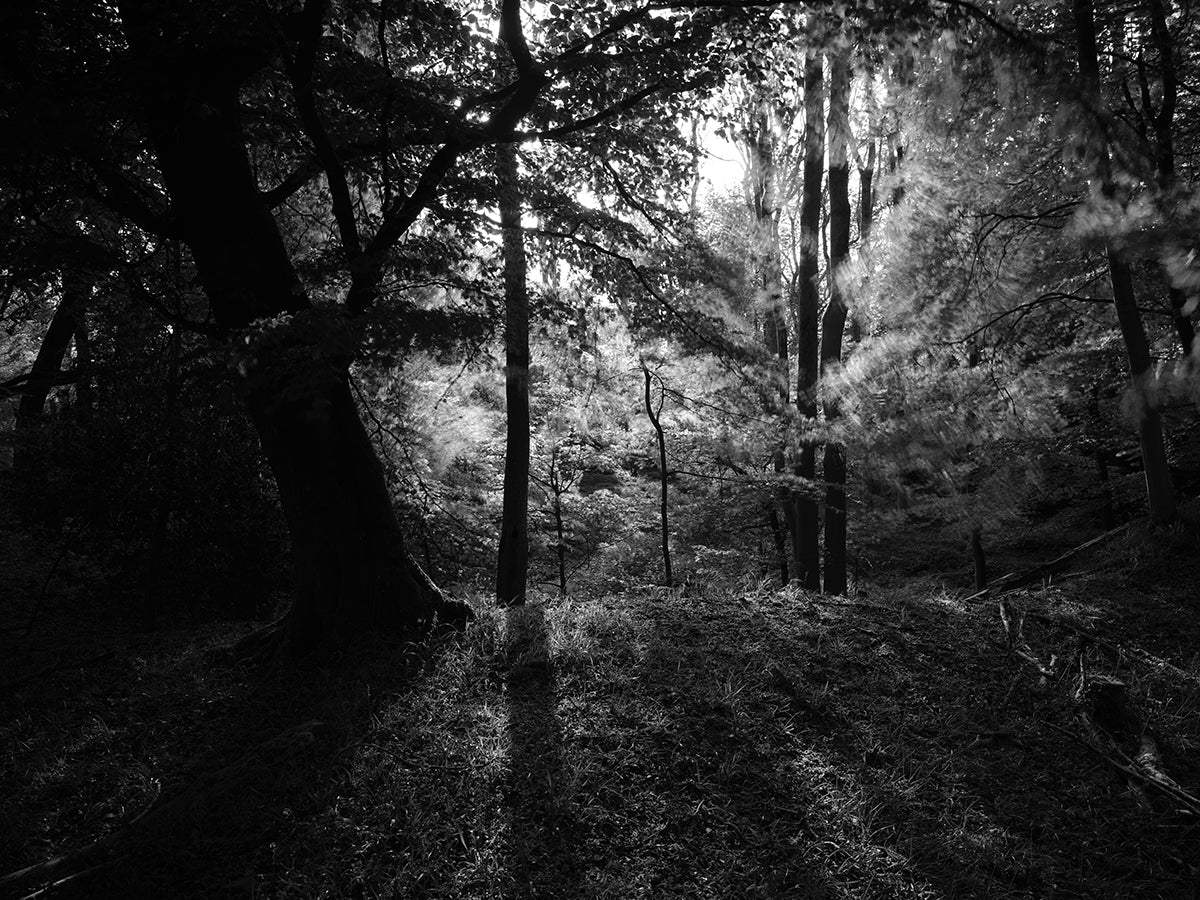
164	818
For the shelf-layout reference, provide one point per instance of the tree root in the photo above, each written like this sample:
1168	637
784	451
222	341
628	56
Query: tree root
163	819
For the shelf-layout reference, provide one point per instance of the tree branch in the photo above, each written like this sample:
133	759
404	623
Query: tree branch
300	71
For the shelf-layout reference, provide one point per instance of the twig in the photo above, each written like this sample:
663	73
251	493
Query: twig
1122	763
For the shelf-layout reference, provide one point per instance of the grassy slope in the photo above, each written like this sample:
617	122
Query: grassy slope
728	744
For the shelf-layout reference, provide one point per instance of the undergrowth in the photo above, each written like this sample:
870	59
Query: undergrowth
700	743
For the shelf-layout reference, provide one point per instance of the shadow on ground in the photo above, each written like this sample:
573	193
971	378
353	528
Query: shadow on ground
544	829
101	750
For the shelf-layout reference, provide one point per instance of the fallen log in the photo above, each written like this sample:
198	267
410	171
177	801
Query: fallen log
1040	572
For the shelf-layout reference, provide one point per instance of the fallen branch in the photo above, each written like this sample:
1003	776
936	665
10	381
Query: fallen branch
1144	657
164	819
1151	777
1040	572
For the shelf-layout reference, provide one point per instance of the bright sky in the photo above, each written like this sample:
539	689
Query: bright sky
722	167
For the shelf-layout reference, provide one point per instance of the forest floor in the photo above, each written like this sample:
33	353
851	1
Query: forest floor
716	742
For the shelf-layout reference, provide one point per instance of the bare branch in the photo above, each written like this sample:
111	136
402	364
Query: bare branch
300	71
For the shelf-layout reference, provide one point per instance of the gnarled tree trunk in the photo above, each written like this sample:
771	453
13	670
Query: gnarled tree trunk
29	465
351	567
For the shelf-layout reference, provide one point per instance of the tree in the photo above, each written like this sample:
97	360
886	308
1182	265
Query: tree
1160	492
833	324
807	303
514	528
203	114
654	414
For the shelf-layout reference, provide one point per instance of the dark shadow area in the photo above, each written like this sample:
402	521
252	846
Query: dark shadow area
738	809
544	829
203	766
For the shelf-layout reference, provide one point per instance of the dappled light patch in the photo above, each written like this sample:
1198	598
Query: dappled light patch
756	743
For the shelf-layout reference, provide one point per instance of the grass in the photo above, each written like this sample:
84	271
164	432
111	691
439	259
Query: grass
747	743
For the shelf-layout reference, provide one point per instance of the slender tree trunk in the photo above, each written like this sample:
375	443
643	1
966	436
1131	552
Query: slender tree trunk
1164	152
156	585
1108	516
978	557
779	535
1160	492
763	202
866	215
834	324
556	487
352	571
806	547
512	568
656	421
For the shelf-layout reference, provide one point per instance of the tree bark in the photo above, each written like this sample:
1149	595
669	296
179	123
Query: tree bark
76	291
764	205
656	421
806	548
978	558
833	325
557	487
1160	492
29	461
1164	152
513	564
351	568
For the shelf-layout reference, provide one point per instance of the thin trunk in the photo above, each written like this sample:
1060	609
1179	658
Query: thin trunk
978	558
806	548
556	488
765	208
513	564
694	198
157	570
1160	492
351	568
656	421
1164	152
895	159
779	534
866	215
1107	513
833	325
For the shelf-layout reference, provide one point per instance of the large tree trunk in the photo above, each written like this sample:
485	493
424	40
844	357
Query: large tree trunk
806	547
834	324
512	567
28	456
351	567
1160	492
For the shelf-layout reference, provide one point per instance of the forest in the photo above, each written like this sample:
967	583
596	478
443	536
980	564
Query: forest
600	449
